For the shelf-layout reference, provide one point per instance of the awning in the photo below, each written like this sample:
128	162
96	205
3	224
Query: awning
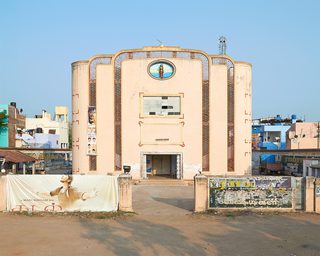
15	156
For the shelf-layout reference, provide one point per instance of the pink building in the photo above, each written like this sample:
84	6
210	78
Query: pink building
303	136
164	111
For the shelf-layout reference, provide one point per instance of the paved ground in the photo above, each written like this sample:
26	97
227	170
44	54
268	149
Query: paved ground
164	225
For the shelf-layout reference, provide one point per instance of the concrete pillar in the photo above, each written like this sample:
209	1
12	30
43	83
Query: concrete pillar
179	176
310	194
317	194
3	195
297	184
14	168
144	166
24	169
33	168
125	193
200	193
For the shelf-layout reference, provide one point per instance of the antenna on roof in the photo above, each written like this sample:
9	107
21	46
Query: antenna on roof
160	43
222	45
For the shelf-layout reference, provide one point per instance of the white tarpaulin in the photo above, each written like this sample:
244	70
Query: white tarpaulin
62	193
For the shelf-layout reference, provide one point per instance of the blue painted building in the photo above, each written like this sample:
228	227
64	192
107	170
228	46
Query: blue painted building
273	137
4	131
15	124
270	133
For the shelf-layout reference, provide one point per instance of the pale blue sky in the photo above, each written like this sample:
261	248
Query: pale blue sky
40	39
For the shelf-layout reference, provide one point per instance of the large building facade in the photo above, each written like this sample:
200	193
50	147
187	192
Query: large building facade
164	111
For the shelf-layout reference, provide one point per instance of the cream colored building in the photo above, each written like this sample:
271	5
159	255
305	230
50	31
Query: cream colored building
303	136
164	111
59	125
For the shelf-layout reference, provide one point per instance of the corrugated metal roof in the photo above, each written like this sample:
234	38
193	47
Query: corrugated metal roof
15	156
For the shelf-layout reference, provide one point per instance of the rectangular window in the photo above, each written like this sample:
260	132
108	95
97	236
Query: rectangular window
161	105
52	131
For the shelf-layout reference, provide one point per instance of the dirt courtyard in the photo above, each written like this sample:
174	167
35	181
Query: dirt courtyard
163	225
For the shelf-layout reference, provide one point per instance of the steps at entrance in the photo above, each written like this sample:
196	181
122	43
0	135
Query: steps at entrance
163	182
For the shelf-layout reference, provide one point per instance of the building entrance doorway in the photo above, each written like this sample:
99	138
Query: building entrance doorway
162	165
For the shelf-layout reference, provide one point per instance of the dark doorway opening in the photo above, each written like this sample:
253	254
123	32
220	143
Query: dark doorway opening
164	166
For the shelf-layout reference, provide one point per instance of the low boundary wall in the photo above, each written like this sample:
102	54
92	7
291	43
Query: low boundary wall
269	193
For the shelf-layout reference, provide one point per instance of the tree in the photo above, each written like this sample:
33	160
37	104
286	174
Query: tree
3	120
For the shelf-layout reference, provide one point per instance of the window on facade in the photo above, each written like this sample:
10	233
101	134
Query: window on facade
161	105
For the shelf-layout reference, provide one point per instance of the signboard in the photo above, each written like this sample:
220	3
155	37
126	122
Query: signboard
256	192
92	133
56	193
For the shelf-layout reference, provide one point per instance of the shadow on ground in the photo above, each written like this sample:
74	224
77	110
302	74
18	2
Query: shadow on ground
140	237
183	203
266	235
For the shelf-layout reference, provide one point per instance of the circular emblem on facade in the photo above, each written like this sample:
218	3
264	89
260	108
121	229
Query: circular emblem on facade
161	69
